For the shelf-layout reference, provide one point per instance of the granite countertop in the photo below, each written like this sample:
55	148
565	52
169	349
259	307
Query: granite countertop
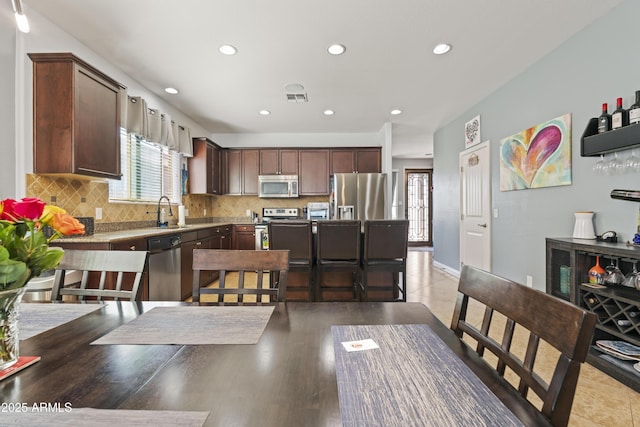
120	235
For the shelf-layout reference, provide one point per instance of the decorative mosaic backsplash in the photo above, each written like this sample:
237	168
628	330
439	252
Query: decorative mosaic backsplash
81	197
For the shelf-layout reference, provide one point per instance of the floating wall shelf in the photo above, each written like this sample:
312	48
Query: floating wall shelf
595	144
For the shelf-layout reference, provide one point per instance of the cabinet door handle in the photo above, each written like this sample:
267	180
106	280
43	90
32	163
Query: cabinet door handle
198	243
483	225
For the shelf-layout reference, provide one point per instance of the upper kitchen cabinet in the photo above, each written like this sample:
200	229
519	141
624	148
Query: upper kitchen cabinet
360	160
313	179
76	117
242	167
279	162
205	167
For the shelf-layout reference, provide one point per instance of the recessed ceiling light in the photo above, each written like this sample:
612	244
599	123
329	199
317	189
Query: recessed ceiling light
329	112
227	49
265	112
442	48
171	90
294	88
396	112
336	49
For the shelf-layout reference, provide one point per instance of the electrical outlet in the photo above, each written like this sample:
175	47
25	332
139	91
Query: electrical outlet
495	212
530	281
98	213
205	212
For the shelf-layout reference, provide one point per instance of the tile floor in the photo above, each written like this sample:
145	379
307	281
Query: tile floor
600	401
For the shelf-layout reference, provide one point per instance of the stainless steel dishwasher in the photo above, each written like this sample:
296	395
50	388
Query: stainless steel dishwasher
164	267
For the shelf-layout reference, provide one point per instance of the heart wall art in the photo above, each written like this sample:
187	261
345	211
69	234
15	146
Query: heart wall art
537	157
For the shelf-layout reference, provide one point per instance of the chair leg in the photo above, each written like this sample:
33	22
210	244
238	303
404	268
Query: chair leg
363	285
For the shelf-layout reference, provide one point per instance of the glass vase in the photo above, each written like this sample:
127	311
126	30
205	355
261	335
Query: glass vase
9	305
596	273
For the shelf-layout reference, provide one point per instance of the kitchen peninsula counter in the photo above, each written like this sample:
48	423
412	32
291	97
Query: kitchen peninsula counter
136	233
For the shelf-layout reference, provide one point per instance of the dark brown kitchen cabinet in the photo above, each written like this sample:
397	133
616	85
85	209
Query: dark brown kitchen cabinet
242	168
205	167
222	237
313	179
368	160
76	117
244	237
352	160
279	162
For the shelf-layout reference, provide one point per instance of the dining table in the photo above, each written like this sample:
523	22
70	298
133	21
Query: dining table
297	373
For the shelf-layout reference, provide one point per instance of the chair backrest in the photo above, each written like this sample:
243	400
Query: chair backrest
386	239
255	262
296	236
338	240
564	326
99	267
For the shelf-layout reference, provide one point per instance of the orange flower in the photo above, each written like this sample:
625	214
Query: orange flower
66	224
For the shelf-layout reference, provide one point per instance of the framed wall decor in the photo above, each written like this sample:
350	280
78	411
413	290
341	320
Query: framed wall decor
472	132
537	157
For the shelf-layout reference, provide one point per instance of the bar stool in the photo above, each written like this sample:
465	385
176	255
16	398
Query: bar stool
297	237
338	250
385	250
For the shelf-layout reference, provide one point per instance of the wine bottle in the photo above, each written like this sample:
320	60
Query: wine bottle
634	110
604	121
619	117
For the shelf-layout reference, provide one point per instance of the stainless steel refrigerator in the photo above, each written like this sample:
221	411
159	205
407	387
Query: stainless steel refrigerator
358	196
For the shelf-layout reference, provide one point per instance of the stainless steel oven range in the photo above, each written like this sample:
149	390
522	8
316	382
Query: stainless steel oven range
271	214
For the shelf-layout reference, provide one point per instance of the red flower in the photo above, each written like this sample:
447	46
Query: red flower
29	208
6	212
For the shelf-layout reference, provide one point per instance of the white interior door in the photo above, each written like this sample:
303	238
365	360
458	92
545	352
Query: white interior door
475	207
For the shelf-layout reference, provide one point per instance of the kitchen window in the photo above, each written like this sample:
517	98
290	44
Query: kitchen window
149	171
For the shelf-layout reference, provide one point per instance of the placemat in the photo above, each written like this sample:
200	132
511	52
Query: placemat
193	325
35	318
104	417
412	379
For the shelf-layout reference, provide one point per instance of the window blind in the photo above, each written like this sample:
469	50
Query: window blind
149	171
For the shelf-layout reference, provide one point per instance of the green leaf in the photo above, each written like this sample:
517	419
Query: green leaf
13	274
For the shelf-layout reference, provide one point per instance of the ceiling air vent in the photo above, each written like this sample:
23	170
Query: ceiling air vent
297	97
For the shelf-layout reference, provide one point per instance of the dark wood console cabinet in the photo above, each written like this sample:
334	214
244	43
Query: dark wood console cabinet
568	262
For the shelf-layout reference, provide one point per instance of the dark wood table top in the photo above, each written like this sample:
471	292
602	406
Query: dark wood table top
288	378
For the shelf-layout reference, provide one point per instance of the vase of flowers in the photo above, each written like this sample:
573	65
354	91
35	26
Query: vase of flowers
25	253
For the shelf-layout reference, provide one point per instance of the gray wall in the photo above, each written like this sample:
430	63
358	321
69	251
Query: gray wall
7	107
597	65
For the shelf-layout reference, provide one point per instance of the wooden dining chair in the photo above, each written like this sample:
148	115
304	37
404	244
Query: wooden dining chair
106	274
556	322
255	262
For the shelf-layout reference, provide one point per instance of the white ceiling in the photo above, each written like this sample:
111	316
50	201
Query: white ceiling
388	63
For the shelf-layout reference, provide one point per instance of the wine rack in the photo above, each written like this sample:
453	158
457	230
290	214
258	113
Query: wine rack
618	311
617	307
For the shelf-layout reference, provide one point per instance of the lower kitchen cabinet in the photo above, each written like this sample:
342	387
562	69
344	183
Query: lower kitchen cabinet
618	307
244	237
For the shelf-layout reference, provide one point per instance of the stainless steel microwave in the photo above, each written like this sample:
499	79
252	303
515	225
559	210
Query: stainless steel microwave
278	186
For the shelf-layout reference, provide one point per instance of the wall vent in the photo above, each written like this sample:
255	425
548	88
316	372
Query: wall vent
297	97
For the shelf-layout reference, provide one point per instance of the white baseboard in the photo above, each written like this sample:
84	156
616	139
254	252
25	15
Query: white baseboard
453	272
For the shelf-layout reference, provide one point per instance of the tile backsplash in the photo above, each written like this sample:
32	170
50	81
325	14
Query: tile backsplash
81	197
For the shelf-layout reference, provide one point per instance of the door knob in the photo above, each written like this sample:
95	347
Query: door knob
483	225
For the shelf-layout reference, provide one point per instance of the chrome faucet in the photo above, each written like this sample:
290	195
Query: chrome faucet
165	223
